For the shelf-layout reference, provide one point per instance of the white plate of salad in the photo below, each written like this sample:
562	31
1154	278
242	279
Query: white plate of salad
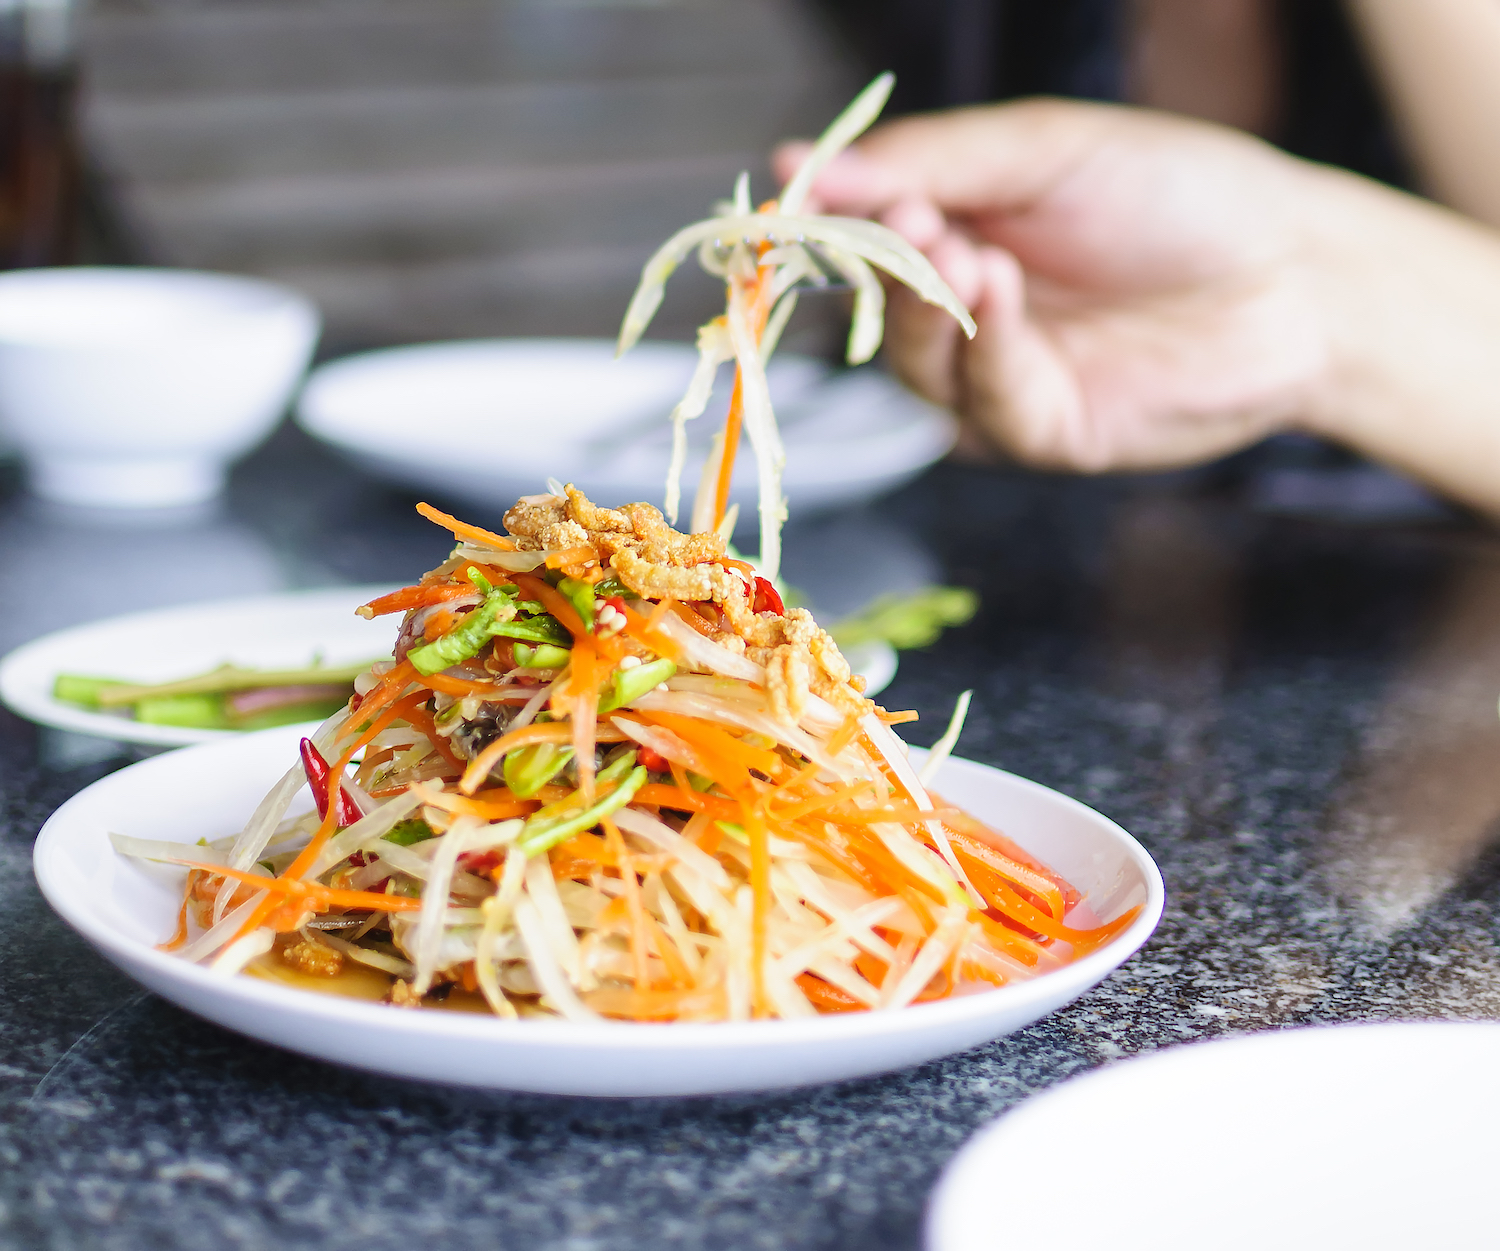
198	672
126	906
615	800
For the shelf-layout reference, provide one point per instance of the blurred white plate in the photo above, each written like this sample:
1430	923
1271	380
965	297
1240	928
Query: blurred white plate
1356	1136
874	661
124	907
264	632
491	420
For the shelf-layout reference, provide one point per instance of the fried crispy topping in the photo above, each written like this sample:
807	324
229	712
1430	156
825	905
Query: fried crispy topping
657	562
313	958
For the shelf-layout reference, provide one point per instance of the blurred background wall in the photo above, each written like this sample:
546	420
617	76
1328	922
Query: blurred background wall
435	168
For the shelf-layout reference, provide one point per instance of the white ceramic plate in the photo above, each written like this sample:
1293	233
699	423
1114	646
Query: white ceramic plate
265	632
124	906
490	420
1364	1136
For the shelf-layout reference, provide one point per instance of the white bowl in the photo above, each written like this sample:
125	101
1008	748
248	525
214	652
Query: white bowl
136	387
124	907
488	421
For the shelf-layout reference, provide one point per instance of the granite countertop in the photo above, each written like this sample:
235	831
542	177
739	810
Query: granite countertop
1296	717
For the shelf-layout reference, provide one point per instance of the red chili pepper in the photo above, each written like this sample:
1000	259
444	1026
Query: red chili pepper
766	599
318	780
653	760
481	863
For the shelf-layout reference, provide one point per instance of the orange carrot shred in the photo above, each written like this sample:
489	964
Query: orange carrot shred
463	530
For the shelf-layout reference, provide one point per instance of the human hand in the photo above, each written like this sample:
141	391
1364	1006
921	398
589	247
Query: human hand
1142	284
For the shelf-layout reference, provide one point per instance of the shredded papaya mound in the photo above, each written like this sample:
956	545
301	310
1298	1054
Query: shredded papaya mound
607	773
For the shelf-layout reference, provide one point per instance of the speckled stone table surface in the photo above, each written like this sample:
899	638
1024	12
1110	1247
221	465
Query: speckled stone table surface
1297	717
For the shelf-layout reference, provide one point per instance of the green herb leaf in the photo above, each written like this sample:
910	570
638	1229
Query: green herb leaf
412	830
913	619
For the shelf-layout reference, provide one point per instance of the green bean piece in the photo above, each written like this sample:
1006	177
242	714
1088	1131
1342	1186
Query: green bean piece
541	836
528	769
631	684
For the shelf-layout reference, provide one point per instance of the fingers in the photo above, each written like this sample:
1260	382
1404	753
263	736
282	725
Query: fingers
922	341
1013	383
969	160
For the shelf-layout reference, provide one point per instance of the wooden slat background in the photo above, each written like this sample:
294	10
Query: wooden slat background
436	168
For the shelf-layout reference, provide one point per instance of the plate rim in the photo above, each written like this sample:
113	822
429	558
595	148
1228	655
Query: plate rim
937	428
54	714
667	1038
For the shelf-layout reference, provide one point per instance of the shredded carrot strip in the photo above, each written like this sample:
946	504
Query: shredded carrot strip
961	822
419	718
1018	946
1091	940
463	530
411	597
760	888
825	997
179	935
663	607
313	891
491	810
324	831
693	619
462	688
707	1003
391	687
902	814
685	799
571	556
667	950
731	447
818	802
759	309
711	740
975	856
844	735
615	841
897	718
972	970
705	831
646	632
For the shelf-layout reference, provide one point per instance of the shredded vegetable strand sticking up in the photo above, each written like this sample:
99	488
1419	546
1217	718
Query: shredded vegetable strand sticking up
764	257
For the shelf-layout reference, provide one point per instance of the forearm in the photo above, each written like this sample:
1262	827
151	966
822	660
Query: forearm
1439	61
1411	294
